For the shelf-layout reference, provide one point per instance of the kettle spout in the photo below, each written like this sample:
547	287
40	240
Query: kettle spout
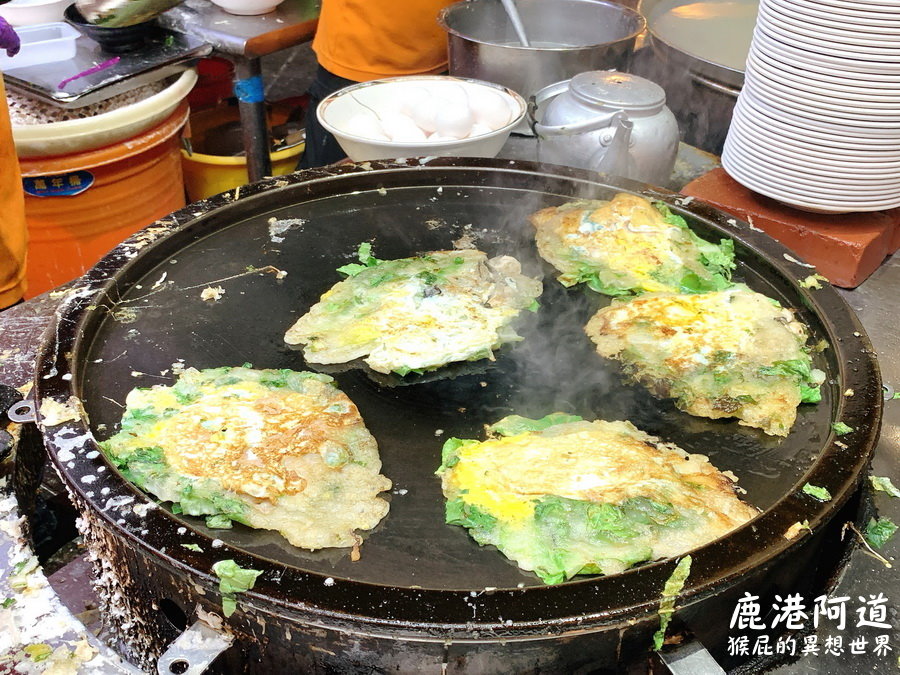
615	158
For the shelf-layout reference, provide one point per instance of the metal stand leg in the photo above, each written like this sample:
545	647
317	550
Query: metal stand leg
248	88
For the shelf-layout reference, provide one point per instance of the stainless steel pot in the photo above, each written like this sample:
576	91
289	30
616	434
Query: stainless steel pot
698	56
567	37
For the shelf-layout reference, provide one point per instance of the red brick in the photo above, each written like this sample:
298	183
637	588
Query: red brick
846	248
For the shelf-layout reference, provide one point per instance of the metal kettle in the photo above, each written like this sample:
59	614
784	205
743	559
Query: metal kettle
607	121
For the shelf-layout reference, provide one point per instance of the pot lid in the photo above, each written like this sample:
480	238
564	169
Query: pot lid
613	89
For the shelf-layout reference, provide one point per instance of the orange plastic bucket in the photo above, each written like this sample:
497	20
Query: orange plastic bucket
79	206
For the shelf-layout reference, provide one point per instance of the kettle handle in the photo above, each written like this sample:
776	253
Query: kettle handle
542	130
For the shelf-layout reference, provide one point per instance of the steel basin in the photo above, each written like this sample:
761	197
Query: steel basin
567	36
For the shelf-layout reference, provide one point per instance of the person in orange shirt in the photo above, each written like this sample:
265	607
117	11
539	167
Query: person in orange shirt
362	40
13	231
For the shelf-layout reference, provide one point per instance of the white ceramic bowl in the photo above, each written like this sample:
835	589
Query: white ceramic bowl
853	83
832	26
805	200
864	20
381	96
820	42
840	113
836	182
787	77
247	7
887	136
860	159
828	64
31	12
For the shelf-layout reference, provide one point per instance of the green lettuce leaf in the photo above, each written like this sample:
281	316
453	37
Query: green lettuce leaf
801	371
673	587
817	492
516	424
884	484
366	260
450	452
233	579
879	531
841	429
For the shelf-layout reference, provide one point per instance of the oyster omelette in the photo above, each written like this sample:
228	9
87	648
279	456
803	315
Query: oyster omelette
417	314
630	245
561	496
273	449
732	353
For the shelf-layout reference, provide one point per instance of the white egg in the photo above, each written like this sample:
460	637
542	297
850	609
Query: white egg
489	108
424	113
366	126
479	129
411	98
401	128
453	118
451	91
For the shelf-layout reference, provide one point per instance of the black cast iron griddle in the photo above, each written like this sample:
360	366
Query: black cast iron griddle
140	310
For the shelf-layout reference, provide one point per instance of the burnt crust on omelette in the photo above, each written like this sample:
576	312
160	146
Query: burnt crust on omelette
733	353
562	496
417	314
629	245
273	449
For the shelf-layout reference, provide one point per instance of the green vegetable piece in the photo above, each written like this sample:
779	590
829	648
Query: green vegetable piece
403	371
513	425
810	394
39	652
218	522
820	493
895	396
192	547
233	579
673	587
533	306
841	429
879	531
364	253
884	484
9	602
450	452
801	371
471	517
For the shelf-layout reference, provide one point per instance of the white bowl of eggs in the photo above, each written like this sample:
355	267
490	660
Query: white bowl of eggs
421	116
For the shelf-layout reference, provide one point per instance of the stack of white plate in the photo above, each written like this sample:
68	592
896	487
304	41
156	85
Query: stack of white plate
817	123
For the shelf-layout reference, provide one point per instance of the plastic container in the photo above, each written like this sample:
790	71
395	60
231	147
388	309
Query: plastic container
206	175
60	138
44	43
31	12
81	205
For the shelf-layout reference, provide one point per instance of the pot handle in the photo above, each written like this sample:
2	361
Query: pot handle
194	650
690	658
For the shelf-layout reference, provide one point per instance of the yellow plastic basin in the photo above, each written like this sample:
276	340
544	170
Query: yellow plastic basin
208	175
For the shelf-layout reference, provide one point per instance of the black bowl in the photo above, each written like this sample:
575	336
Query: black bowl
112	40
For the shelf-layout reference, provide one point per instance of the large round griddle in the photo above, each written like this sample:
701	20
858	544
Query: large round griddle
140	310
